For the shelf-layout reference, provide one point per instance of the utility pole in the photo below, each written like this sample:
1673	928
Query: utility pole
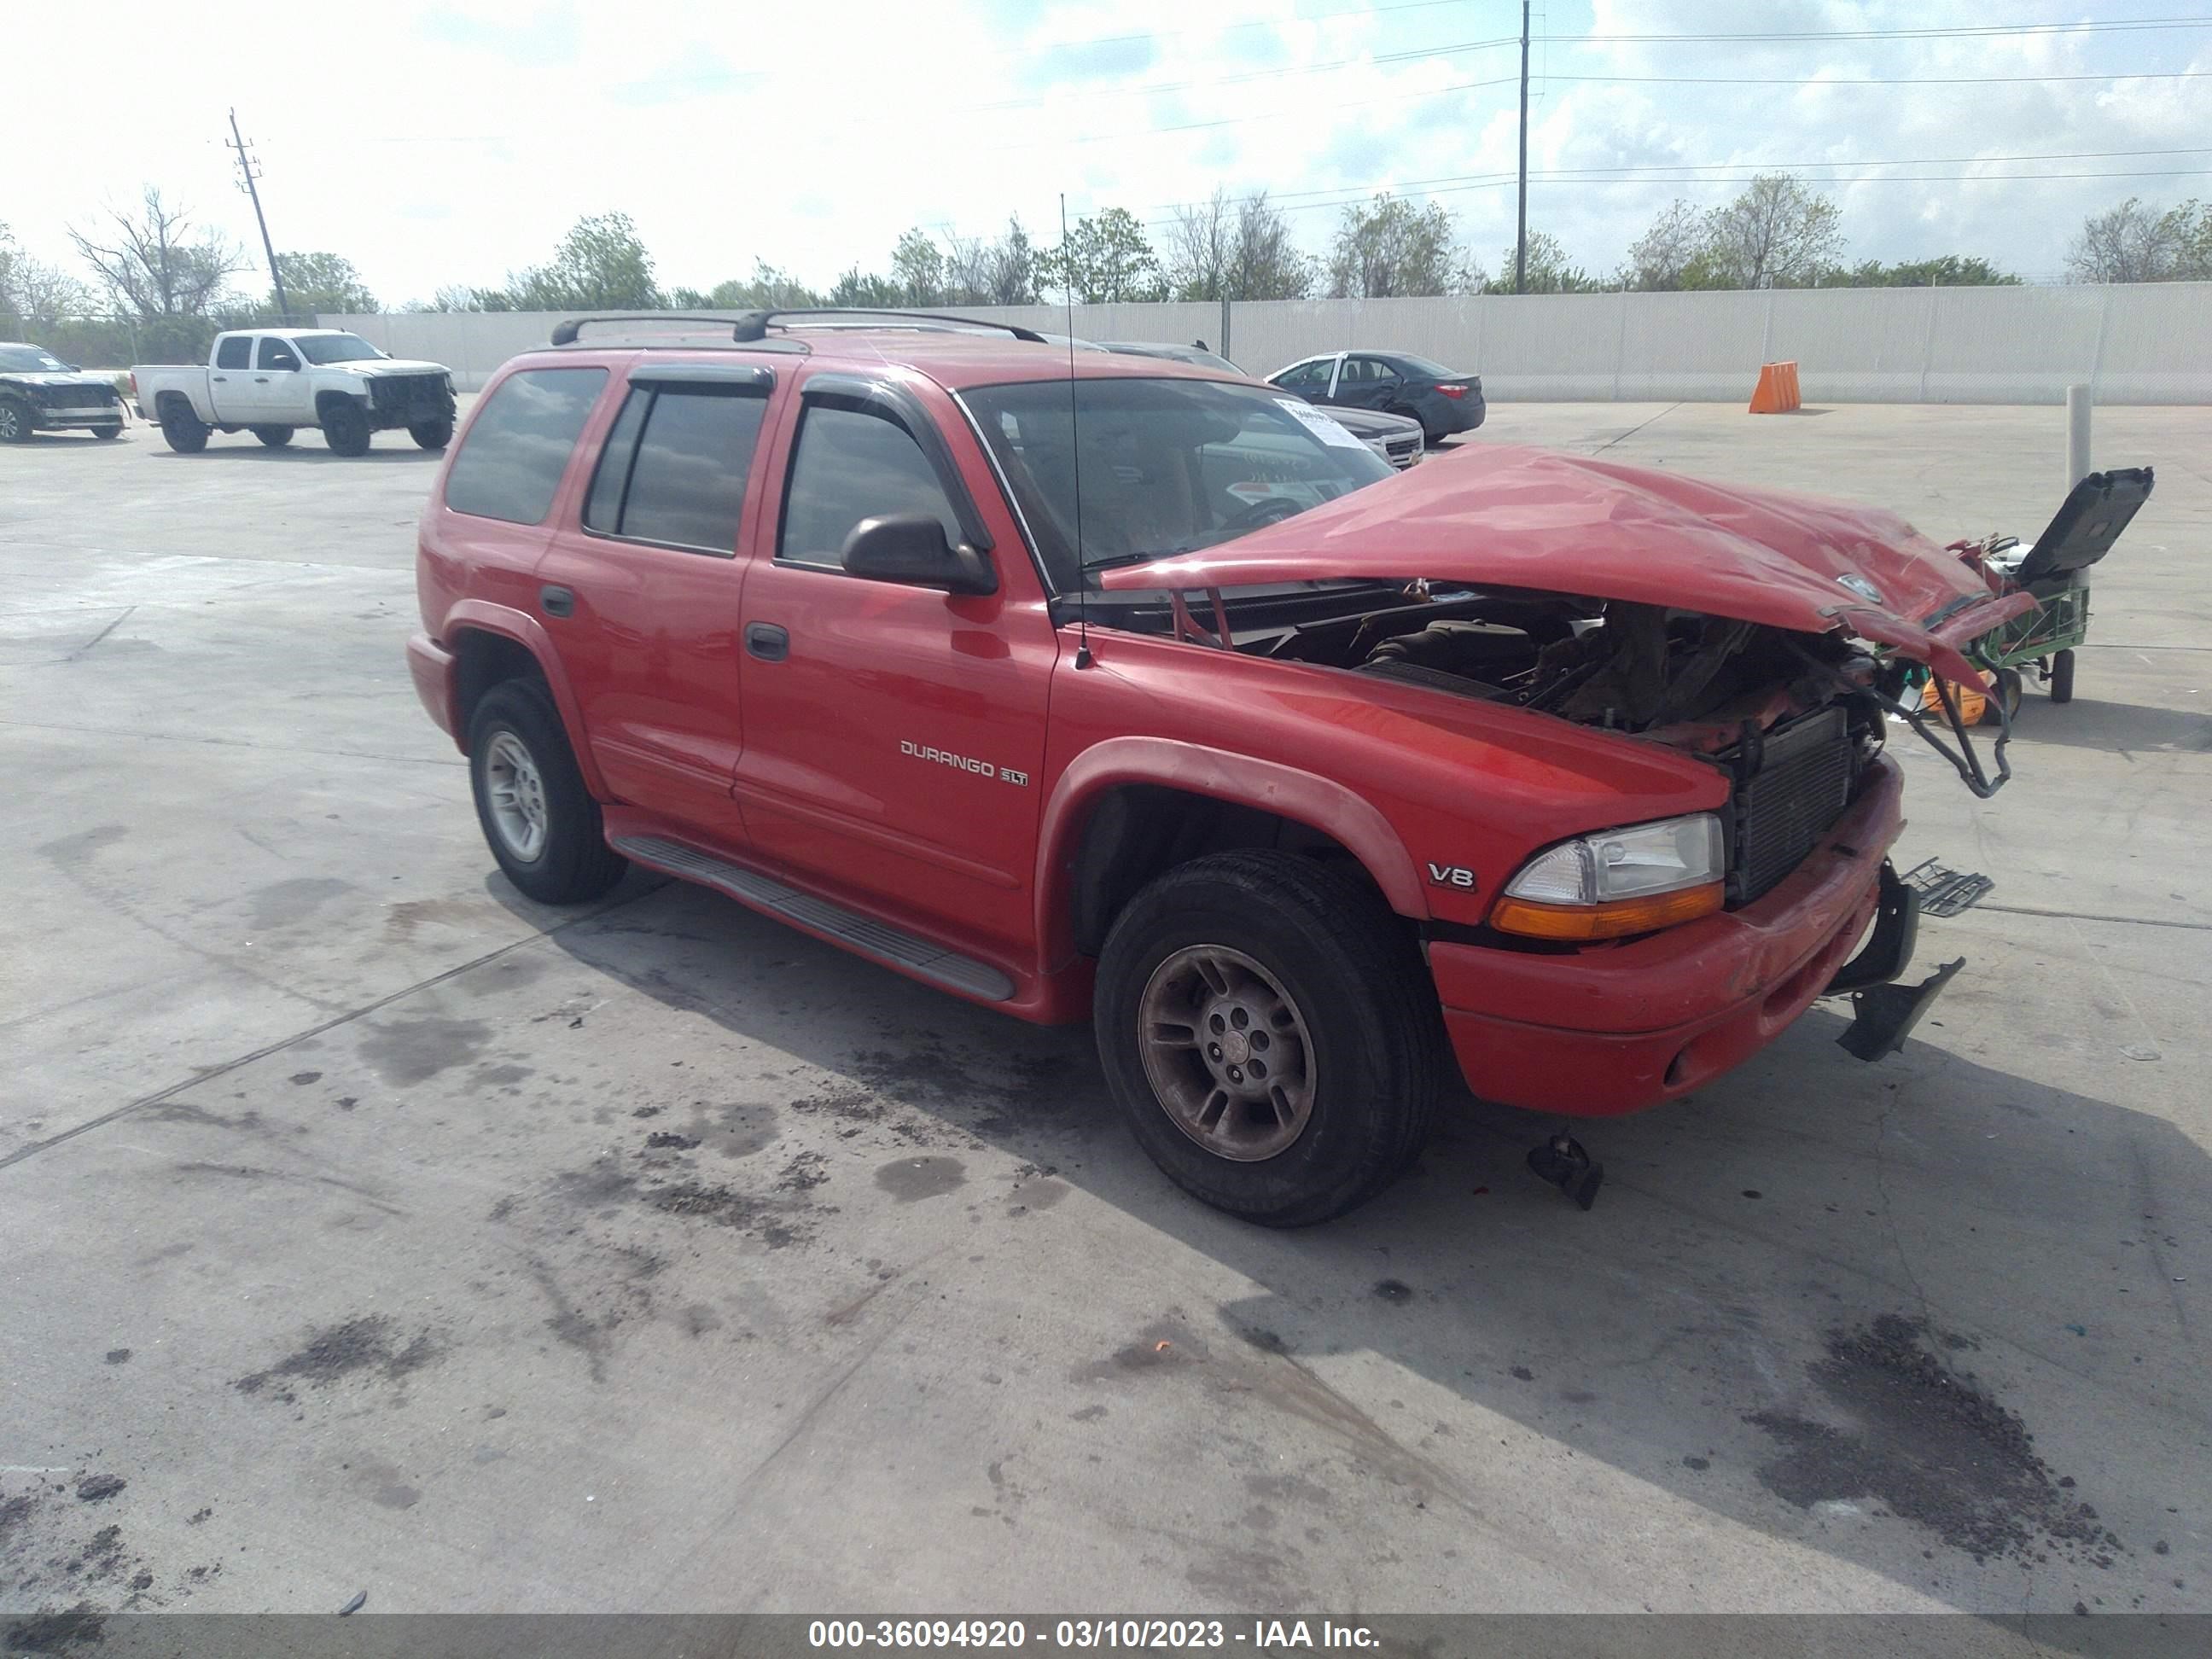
1521	239
249	170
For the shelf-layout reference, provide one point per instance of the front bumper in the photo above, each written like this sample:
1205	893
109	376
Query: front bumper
1608	1030
432	666
98	415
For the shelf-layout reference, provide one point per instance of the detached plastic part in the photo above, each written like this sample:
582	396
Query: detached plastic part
1885	1014
1944	891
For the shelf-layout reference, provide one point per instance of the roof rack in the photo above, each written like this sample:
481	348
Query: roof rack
753	324
565	331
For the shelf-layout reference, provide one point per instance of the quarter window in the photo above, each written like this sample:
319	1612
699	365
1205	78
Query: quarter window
851	465
673	469
517	447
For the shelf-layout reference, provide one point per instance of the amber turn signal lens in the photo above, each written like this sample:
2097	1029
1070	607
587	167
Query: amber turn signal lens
1615	919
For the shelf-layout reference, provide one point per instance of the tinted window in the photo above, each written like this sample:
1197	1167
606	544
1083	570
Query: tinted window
235	352
1423	369
685	481
850	466
28	360
519	443
1305	377
276	354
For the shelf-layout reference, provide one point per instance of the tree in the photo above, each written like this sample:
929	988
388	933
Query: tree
600	264
769	289
1779	234
322	282
1202	249
35	296
1387	247
1106	259
1546	269
2133	243
154	265
1946	270
1660	259
918	271
856	288
1264	263
1004	272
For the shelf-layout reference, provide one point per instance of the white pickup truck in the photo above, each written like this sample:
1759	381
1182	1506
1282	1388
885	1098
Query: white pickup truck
272	381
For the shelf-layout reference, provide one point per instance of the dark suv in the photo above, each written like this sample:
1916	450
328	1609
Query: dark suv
1124	689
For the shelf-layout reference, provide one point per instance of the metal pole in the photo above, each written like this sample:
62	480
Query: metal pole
2077	435
246	166
1521	237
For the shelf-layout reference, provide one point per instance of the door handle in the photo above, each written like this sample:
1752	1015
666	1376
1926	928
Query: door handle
219	378
557	601
261	379
766	641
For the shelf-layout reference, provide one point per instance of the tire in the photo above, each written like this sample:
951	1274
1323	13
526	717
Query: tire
345	427
432	434
570	861
274	437
1285	932
17	423
2061	677
183	430
2009	690
113	429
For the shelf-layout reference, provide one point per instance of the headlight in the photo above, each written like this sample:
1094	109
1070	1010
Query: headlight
1619	882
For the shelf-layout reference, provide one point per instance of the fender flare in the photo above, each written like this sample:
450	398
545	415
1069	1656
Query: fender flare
527	631
1317	802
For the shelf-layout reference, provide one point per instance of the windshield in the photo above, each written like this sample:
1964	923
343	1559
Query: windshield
29	360
335	349
1167	467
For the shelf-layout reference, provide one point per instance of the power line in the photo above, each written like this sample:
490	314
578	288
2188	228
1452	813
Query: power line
1876	80
1961	32
1145	88
249	170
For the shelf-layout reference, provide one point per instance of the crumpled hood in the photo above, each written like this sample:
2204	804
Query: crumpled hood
378	368
55	377
1502	516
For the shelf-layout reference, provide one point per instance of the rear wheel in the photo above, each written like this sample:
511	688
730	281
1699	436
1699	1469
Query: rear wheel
17	423
345	427
2061	677
276	437
1266	1027
185	432
538	818
432	434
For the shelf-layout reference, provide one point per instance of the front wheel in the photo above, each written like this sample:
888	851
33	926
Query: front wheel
345	428
16	422
432	434
2061	677
1266	1026
538	818
113	429
275	437
184	431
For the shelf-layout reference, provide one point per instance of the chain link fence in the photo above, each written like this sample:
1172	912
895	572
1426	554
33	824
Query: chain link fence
118	342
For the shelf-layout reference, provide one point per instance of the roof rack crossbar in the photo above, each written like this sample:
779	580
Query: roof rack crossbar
753	324
566	331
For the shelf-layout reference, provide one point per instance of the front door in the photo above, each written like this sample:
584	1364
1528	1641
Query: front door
894	734
272	391
641	592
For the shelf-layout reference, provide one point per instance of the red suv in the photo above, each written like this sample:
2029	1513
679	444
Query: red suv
1098	686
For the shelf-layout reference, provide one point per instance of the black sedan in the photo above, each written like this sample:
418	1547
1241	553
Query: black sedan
38	391
1443	400
1396	439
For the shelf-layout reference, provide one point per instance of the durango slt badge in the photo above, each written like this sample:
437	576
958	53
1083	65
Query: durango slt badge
981	768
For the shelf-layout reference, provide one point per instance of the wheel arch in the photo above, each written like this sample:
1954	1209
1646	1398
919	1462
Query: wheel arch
491	643
1117	814
325	399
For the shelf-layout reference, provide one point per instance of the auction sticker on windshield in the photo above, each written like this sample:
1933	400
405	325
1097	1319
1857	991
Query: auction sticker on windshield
1318	422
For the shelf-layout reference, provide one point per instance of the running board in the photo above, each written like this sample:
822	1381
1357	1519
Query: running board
894	945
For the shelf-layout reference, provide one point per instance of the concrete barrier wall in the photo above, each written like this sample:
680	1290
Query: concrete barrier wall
2141	343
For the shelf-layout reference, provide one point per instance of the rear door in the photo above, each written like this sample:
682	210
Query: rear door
230	378
894	734
642	588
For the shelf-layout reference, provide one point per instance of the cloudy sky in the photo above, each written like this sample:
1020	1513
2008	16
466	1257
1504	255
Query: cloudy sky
454	141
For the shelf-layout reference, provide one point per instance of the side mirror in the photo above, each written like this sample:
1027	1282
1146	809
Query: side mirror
910	548
289	364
